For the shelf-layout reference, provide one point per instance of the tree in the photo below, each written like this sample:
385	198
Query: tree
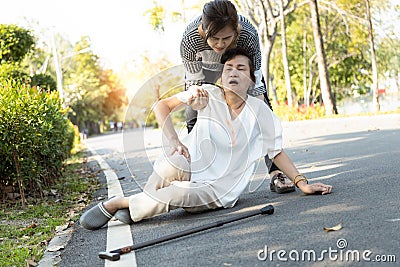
356	66
156	16
116	97
15	43
327	97
343	37
83	93
261	15
13	71
389	60
161	14
20	58
388	44
375	86
265	16
93	94
44	81
284	54
157	79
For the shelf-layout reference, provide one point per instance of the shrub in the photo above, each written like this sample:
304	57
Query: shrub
296	113
12	71
44	81
15	43
35	138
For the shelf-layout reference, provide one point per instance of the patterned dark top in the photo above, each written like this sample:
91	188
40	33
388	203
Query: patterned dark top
197	55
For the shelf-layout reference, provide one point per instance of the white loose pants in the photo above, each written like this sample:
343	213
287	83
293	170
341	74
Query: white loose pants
169	187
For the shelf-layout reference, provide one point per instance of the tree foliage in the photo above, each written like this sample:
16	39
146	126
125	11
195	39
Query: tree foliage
15	43
345	38
44	81
13	71
93	94
158	80
156	16
35	133
116	98
17	47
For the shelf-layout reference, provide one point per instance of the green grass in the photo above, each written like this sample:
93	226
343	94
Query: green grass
25	233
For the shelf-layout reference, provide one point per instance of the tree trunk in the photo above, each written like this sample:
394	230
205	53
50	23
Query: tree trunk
260	15
306	95
327	97
19	178
267	75
310	79
285	61
375	86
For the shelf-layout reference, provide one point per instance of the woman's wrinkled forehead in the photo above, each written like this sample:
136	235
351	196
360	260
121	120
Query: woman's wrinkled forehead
238	61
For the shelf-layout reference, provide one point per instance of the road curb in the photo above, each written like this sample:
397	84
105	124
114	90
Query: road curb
52	255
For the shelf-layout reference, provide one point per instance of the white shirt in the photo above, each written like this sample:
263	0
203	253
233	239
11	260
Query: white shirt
224	151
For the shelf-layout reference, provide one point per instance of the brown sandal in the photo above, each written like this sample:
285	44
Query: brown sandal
280	183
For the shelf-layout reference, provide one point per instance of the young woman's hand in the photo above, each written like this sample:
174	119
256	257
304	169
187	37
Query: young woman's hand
314	188
199	98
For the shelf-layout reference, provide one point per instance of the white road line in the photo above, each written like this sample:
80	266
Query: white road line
118	234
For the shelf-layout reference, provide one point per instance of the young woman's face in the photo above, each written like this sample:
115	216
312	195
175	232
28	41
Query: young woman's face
222	40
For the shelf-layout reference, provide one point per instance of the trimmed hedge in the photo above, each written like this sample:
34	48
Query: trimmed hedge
35	138
297	113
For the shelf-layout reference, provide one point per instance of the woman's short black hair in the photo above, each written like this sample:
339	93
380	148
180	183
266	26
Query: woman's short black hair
238	51
218	14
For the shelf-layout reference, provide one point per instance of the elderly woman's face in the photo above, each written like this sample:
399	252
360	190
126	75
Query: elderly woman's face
236	74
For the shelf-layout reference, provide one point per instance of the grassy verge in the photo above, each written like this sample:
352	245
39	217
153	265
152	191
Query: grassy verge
25	233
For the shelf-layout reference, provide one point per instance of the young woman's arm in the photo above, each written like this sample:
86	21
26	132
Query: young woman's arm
191	44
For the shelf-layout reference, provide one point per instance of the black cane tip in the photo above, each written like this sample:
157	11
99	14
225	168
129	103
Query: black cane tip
269	209
109	256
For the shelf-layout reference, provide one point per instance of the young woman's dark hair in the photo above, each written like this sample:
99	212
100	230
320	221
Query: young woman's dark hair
217	15
238	51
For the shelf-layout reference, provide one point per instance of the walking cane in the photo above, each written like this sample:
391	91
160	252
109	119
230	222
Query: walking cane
114	255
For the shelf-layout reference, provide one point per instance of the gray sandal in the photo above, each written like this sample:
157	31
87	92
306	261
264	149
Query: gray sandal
124	216
95	218
280	184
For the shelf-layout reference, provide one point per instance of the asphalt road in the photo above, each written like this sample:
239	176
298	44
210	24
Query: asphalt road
359	156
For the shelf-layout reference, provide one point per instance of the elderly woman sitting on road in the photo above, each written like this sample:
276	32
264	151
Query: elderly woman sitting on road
213	165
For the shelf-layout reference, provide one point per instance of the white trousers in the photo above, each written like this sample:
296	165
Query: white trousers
169	187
